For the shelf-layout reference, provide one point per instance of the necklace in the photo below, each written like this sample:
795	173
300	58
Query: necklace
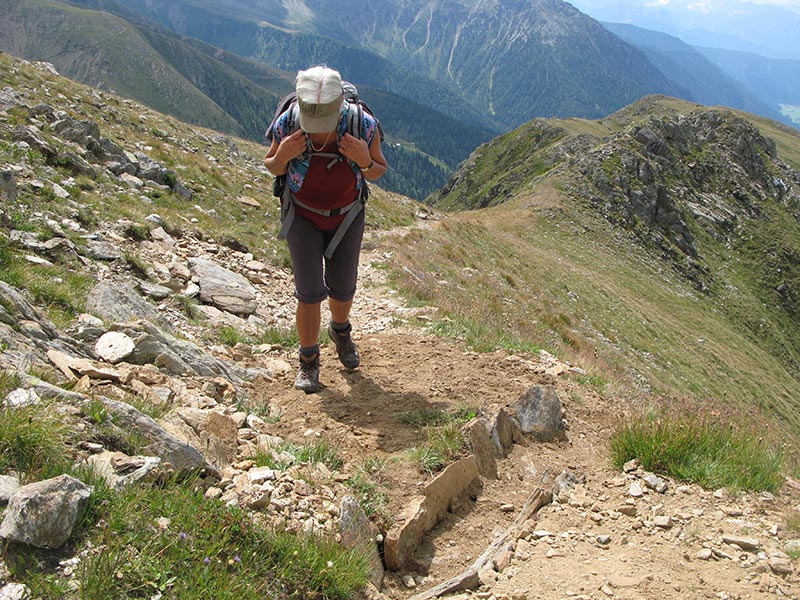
325	143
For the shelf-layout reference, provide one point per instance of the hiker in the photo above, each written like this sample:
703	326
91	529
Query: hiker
324	168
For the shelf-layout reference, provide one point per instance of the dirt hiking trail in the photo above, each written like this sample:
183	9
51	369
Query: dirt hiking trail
610	536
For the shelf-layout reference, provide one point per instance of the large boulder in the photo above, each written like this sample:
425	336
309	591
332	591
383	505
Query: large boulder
44	514
223	288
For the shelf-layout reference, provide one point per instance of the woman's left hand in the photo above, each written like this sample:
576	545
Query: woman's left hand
355	149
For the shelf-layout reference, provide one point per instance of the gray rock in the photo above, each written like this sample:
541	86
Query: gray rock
12	298
359	532
44	514
14	591
479	437
116	301
120	470
32	137
100	250
223	288
182	191
8	185
8	487
114	346
21	397
80	132
76	164
154	346
565	481
655	483
745	543
538	413
160	442
504	432
424	512
154	290
152	170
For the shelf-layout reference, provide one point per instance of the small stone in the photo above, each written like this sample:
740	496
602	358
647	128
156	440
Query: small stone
745	543
507	508
213	493
704	554
604	539
630	466
781	566
409	582
655	483
663	521
636	490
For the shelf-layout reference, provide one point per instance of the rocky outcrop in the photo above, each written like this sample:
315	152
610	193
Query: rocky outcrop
43	514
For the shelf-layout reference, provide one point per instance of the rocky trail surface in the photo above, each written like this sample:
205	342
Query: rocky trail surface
597	532
610	534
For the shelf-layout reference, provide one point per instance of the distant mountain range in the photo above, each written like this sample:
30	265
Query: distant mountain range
443	77
755	28
744	81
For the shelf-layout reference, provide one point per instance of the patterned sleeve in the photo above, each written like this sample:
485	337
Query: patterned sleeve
370	126
279	130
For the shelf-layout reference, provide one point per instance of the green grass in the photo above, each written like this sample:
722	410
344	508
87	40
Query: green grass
367	486
793	522
288	454
693	442
443	440
442	444
34	442
523	277
60	290
286	337
201	549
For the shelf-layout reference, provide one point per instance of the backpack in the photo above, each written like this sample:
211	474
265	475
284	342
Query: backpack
355	123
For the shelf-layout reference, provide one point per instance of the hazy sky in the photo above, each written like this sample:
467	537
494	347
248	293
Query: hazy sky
793	5
790	4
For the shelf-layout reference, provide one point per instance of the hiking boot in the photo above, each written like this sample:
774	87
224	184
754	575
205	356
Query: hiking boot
345	347
308	376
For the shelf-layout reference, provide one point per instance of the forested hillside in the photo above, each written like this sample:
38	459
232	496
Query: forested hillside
203	84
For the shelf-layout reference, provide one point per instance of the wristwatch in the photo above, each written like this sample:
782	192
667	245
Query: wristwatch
368	167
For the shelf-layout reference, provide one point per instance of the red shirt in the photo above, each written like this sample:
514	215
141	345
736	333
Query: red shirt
327	189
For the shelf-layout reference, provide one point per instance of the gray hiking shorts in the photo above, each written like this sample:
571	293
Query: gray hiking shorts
316	278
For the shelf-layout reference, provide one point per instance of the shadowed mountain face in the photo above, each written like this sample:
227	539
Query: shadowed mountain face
510	60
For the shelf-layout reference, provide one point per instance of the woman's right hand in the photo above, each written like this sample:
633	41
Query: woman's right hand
291	146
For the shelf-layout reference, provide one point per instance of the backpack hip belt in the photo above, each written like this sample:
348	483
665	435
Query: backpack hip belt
350	210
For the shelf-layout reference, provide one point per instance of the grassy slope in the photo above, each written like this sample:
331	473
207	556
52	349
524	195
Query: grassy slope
542	270
217	175
102	49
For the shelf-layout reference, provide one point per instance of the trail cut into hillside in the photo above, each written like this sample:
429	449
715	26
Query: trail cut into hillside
610	534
